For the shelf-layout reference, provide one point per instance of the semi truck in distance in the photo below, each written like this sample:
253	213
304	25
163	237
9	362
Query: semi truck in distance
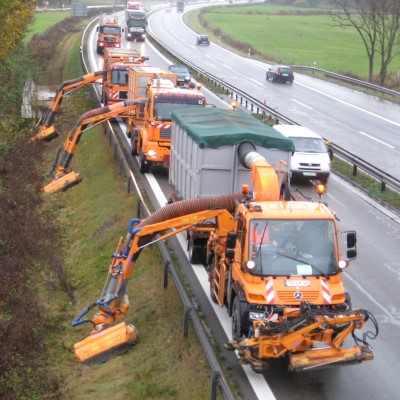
136	24
180	5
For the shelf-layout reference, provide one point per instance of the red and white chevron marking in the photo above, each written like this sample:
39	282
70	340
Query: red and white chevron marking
114	95
163	126
270	292
326	294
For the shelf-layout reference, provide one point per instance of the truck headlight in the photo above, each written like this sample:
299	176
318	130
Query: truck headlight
151	153
251	264
253	315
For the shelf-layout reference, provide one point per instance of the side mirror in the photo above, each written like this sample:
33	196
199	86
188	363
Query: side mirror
351	239
351	243
230	245
231	240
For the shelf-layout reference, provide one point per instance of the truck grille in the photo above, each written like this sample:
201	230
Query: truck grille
109	39
309	166
165	133
287	297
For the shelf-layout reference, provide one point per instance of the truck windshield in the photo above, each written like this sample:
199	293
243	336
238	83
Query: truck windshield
163	106
136	22
309	145
110	30
297	247
119	77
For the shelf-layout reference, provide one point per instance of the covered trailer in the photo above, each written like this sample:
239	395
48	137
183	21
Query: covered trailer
204	160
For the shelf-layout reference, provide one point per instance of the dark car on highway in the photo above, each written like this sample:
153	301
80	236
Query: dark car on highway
202	40
182	74
280	73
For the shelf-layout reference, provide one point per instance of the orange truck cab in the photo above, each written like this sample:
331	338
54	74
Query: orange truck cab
116	64
150	127
109	33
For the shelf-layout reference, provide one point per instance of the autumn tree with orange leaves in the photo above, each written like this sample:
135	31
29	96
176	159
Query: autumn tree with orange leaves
15	15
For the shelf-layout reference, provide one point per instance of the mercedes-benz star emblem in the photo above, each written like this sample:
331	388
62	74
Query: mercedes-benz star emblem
298	295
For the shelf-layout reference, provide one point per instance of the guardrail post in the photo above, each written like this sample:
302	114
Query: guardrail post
138	208
383	186
354	170
186	319
129	185
166	271
214	384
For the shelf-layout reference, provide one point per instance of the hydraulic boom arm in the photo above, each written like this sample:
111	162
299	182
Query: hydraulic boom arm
47	130
64	179
107	337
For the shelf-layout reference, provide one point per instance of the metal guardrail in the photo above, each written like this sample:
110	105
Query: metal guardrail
218	379
348	79
358	163
258	107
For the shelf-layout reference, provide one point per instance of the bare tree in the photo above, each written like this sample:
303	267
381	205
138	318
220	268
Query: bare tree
388	29
378	24
359	15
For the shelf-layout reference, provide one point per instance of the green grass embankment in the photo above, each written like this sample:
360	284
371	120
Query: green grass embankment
44	20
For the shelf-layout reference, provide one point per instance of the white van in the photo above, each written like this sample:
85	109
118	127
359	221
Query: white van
311	159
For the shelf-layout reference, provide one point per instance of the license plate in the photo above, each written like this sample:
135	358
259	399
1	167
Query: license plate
297	283
309	174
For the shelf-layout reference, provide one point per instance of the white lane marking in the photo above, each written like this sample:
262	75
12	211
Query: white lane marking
334	198
393	216
380	141
302	104
392	270
350	105
389	315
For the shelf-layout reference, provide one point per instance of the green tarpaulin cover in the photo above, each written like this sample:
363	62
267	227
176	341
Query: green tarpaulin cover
214	128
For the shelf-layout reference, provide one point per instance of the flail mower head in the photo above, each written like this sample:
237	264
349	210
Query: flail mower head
100	346
63	182
46	134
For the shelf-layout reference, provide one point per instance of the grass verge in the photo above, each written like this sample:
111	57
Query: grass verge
368	184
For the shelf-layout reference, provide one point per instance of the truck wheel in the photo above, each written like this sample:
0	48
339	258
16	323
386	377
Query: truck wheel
237	329
210	267
195	252
212	295
134	140
144	165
